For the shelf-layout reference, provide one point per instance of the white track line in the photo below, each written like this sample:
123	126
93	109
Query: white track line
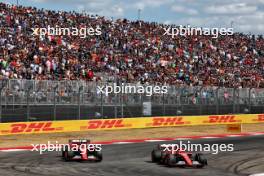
261	174
181	139
209	137
14	150
154	140
122	142
234	135
256	134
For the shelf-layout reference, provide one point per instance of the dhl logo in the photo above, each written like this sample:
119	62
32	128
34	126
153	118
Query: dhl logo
102	124
167	121
260	118
31	127
222	119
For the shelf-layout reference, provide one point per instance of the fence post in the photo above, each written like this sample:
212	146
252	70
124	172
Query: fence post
234	100
175	98
238	101
122	105
249	100
28	110
163	105
0	105
79	102
13	99
115	105
179	100
2	86
217	100
200	101
102	108
54	102
28	89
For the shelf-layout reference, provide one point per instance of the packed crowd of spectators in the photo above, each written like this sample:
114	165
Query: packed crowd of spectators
128	51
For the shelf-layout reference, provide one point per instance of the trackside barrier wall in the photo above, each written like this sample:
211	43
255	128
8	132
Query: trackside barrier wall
125	123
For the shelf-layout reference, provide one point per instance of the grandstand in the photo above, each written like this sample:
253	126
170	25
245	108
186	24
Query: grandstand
132	51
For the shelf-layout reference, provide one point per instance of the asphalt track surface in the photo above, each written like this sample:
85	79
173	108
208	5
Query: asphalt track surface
134	160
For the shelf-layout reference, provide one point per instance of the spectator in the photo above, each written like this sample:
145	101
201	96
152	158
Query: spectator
136	52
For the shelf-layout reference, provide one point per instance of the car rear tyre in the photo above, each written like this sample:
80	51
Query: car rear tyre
99	156
155	156
67	154
200	158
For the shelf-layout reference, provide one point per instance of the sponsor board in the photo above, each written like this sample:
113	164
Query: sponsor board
29	127
220	119
234	128
168	121
105	124
259	118
125	123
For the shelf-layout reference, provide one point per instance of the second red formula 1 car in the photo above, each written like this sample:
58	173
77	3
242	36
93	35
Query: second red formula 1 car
82	150
171	157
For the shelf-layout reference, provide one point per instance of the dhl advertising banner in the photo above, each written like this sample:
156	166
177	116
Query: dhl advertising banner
125	123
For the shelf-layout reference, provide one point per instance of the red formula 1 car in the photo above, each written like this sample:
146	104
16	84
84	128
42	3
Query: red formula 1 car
82	150
171	157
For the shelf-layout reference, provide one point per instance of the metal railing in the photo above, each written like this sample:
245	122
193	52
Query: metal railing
55	100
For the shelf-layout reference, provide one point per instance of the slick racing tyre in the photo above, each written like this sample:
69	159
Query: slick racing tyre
67	154
200	158
99	156
155	155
